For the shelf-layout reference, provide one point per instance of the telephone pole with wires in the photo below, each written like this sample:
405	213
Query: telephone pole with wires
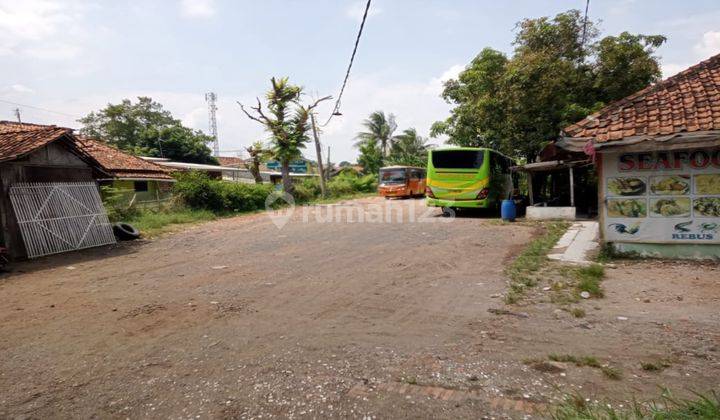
17	114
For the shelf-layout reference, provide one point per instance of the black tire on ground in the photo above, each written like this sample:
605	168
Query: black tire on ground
125	231
447	212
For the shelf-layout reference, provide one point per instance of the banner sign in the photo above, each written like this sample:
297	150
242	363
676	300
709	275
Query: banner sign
662	197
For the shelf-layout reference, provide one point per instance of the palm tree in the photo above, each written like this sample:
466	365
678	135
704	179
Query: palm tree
379	128
409	148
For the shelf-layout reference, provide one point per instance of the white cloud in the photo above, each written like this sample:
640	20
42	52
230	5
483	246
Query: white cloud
357	9
415	104
197	8
671	69
54	51
437	83
27	26
709	45
622	7
16	88
197	118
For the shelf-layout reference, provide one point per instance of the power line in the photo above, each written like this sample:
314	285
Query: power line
585	22
336	108
39	109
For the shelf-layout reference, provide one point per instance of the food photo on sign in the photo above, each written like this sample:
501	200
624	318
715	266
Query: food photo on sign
662	197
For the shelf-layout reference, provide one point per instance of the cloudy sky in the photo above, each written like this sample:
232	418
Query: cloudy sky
72	56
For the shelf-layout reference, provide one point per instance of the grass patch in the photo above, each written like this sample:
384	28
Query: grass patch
589	278
611	372
655	366
608	253
530	260
578	312
588	361
577	360
151	222
702	406
575	281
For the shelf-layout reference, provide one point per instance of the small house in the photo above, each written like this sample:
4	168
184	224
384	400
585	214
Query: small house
657	153
140	181
49	200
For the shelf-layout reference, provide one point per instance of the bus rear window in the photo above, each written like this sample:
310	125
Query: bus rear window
458	159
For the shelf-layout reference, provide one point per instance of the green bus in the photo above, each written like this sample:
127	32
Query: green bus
469	177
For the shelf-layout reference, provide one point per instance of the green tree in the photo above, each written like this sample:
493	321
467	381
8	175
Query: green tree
409	149
379	128
478	118
559	73
370	158
625	64
145	128
287	123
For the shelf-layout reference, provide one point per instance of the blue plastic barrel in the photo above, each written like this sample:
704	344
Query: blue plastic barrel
507	210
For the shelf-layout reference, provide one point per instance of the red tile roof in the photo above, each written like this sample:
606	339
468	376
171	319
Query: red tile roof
18	139
686	102
121	164
231	161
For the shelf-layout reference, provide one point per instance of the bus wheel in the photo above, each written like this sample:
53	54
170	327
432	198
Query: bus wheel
447	212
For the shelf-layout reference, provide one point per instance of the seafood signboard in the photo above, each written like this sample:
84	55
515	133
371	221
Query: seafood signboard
662	197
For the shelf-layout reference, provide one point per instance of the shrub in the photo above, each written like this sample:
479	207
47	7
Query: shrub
340	185
349	183
198	191
117	206
244	197
307	190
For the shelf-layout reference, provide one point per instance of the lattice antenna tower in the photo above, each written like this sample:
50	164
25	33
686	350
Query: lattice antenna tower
211	99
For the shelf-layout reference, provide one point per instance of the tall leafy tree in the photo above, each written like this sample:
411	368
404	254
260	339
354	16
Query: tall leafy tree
559	73
380	129
408	148
286	120
145	128
625	64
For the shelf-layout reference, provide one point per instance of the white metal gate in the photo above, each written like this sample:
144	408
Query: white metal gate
60	216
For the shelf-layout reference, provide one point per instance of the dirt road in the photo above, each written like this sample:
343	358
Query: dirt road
237	318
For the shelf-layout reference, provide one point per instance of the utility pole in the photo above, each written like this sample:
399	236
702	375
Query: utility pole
318	151
211	98
328	162
17	114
